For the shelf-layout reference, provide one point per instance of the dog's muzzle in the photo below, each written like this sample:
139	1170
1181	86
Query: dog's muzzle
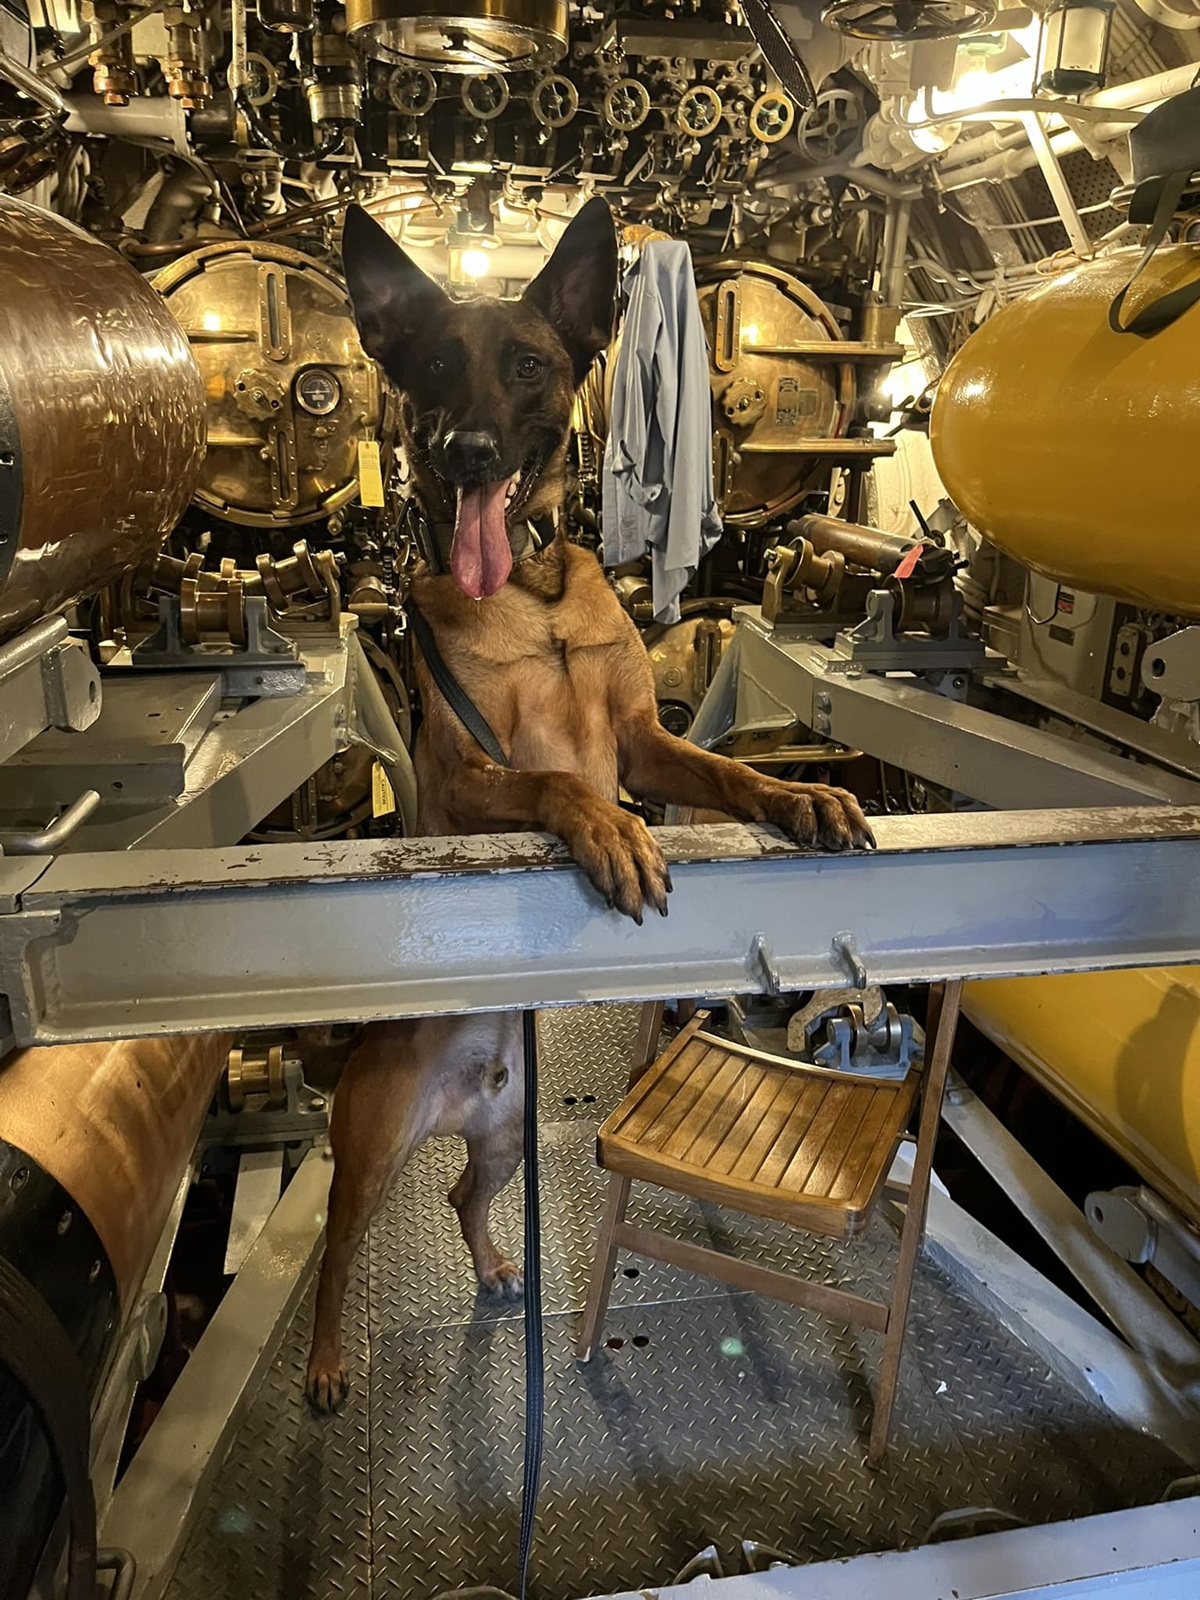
470	457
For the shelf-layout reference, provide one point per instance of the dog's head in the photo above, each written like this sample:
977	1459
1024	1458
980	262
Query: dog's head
487	385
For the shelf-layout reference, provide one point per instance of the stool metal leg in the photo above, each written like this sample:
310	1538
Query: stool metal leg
602	1269
944	1007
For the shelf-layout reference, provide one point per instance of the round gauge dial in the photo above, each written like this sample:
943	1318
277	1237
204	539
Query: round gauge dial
317	391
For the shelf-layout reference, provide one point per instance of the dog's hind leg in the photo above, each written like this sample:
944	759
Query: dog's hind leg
493	1131
491	1161
384	1108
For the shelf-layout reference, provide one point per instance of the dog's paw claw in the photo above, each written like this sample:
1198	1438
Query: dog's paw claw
327	1387
620	856
813	815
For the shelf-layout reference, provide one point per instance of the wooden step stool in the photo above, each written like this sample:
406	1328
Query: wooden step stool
799	1144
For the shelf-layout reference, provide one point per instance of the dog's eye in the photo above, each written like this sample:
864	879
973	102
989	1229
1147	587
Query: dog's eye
529	367
437	366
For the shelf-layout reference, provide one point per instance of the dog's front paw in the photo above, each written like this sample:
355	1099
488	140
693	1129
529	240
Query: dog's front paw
813	814
503	1279
326	1385
619	855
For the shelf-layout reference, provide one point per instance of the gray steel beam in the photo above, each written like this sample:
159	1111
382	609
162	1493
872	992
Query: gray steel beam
1150	1553
1169	750
116	946
158	1499
1125	1298
770	674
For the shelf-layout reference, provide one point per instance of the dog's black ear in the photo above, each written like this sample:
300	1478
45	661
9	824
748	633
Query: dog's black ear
390	295
576	288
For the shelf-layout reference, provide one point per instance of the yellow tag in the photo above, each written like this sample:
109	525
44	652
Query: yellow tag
383	797
370	476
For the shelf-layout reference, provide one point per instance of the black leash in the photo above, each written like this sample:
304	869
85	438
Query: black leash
476	724
535	1376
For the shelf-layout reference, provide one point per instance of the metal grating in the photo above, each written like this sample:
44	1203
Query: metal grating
1091	182
708	1417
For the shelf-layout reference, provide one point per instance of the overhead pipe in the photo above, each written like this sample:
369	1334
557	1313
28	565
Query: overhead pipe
1140	94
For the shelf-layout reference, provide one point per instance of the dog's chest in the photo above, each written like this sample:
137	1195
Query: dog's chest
541	674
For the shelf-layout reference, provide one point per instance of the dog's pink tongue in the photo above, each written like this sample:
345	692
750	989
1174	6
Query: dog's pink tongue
481	556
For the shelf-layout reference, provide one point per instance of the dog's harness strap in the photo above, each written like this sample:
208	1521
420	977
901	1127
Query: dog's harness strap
455	696
535	1385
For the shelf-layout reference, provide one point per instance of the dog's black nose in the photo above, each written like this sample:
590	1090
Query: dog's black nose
471	457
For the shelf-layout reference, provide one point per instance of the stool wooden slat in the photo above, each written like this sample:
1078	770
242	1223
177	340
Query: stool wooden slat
770	1136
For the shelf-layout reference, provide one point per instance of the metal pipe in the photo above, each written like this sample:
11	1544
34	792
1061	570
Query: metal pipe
148	117
16	842
1138	95
870	547
1145	91
864	177
32	645
30	84
1017	111
383	738
175	204
965	152
1008	164
893	268
874	182
1141	94
236	76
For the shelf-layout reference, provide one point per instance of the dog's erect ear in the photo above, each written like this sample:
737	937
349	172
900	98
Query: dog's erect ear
576	288
390	295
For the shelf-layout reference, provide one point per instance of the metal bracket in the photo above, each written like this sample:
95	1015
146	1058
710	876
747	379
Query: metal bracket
47	680
265	1102
268	666
1171	668
875	646
846	951
883	1048
1140	1227
762	964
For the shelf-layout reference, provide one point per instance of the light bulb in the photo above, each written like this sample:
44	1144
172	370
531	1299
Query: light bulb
474	264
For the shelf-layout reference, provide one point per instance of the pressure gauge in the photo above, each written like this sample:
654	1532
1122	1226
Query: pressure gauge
317	391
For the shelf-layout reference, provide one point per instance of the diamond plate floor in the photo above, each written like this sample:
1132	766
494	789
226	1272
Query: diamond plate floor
707	1418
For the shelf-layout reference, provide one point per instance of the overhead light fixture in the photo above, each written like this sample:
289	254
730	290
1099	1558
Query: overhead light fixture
972	87
474	264
1074	48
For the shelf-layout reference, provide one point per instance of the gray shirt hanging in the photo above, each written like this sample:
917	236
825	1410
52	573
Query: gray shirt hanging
658	482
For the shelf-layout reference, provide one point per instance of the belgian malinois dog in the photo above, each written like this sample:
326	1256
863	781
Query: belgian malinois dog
539	641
